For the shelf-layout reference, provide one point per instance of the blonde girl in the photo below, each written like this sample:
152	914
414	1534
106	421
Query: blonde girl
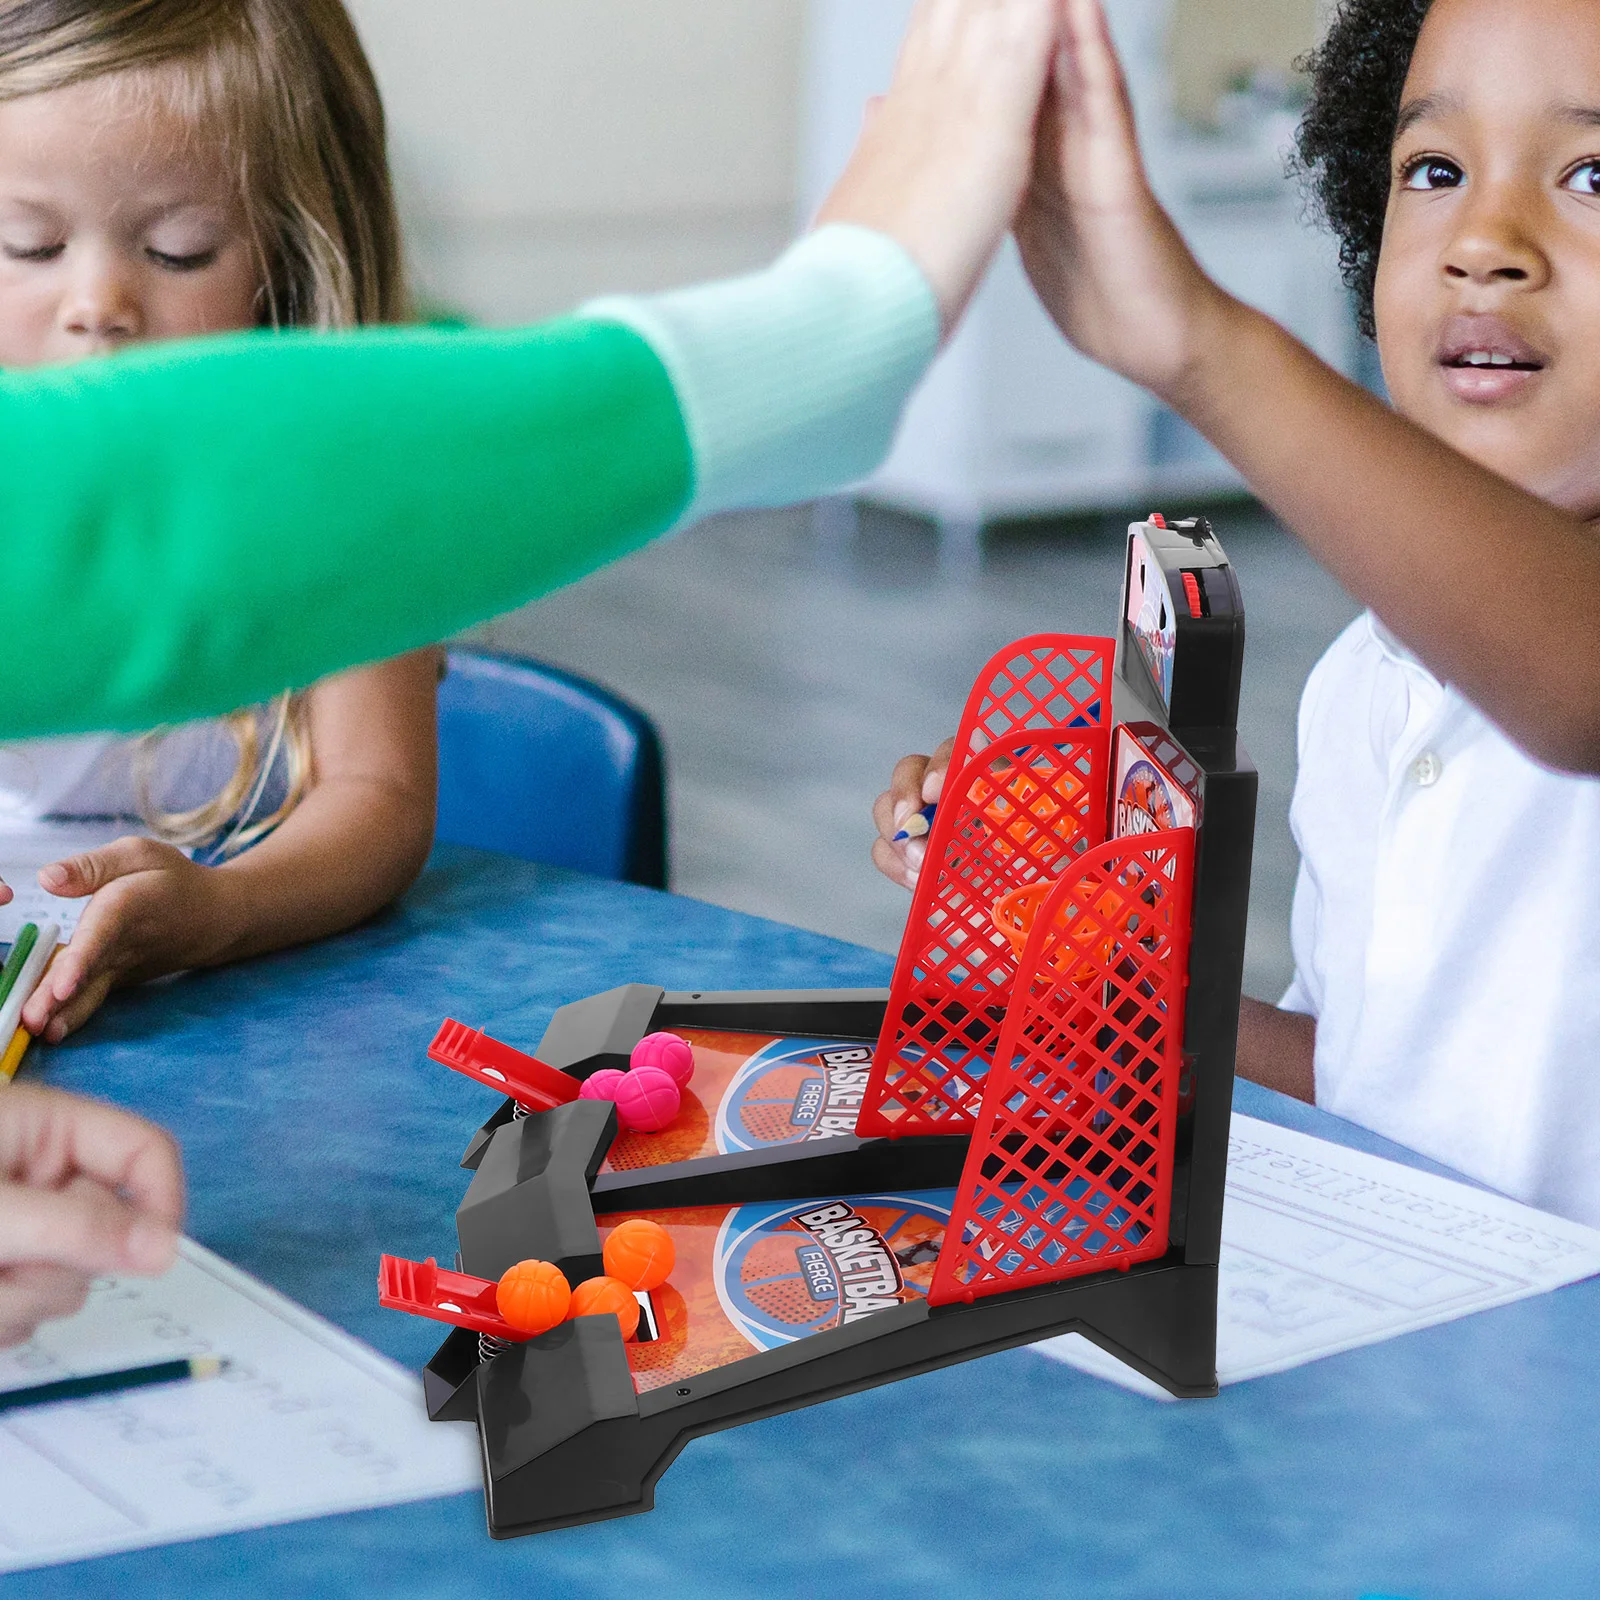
172	168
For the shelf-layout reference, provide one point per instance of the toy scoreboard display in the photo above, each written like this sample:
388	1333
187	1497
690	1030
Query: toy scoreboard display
696	1209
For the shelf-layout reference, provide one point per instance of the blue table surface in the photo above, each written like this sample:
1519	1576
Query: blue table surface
1449	1463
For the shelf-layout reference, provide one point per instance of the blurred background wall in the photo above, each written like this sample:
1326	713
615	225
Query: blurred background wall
550	149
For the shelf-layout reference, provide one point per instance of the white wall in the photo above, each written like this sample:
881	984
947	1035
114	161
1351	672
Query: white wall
551	149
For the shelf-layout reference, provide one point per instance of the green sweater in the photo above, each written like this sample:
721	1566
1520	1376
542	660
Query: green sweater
190	529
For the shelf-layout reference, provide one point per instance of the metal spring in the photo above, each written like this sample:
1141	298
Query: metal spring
489	1347
519	1112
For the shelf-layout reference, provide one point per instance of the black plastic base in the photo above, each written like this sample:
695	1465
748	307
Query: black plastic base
565	1437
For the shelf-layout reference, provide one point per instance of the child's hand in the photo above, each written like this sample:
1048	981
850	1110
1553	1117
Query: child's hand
1104	257
153	911
918	781
5	892
943	161
84	1189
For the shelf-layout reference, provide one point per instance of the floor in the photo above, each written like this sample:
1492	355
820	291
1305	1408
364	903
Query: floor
790	658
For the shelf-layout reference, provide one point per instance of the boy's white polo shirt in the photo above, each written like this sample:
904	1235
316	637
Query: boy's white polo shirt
1447	928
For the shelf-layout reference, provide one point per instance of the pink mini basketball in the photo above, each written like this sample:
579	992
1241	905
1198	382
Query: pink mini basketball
673	1055
647	1100
601	1085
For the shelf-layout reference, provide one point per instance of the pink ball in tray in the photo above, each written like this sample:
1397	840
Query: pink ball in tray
601	1085
647	1100
673	1055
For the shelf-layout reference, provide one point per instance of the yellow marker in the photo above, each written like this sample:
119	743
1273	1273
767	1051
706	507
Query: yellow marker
21	1039
15	1051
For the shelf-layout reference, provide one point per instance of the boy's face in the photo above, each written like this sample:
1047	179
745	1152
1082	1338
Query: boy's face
118	224
1488	292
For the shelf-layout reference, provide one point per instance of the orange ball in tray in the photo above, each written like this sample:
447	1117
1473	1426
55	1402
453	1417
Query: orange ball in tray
533	1297
640	1253
597	1296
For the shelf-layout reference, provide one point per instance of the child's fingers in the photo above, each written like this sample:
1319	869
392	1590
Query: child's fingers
903	796
934	776
1095	113
70	1015
43	1003
78	876
5	892
66	975
82	1228
63	1143
35	1293
892	861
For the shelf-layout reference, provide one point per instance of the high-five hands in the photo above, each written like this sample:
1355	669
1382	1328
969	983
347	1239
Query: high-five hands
945	157
1103	256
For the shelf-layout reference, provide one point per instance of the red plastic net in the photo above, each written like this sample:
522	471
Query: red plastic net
1040	684
1026	791
1070	1168
1015	815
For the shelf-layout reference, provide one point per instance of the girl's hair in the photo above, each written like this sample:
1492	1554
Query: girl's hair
1346	140
286	89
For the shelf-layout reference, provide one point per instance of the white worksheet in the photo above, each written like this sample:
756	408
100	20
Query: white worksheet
305	1421
25	847
1325	1249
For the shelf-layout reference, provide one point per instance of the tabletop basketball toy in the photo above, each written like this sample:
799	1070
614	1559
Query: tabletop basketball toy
1025	1135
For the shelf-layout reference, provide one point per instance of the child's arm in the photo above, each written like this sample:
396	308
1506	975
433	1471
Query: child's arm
85	1189
354	844
1277	1049
205	526
1491	586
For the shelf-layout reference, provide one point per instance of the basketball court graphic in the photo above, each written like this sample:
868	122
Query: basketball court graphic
755	1091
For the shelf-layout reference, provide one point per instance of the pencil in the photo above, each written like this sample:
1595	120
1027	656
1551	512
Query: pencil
21	949
918	826
103	1383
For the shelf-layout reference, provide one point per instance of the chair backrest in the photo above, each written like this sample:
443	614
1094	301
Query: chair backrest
537	763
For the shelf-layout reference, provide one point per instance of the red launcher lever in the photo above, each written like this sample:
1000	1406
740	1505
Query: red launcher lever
526	1079
425	1289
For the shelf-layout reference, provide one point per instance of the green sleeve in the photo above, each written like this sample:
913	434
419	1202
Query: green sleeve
183	530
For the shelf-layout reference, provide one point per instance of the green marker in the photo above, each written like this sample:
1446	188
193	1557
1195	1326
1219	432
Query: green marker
27	938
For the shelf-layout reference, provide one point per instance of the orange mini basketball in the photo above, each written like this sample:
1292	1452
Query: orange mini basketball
533	1297
596	1296
640	1253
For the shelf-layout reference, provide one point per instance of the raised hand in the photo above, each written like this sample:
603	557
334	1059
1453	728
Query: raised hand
1103	256
944	159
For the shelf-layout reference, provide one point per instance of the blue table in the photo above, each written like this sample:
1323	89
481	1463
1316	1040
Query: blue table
1453	1463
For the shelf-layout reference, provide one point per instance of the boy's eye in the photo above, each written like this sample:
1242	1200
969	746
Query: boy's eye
1584	178
32	252
182	263
1433	172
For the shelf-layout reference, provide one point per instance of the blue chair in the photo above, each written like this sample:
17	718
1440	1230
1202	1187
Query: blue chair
537	763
